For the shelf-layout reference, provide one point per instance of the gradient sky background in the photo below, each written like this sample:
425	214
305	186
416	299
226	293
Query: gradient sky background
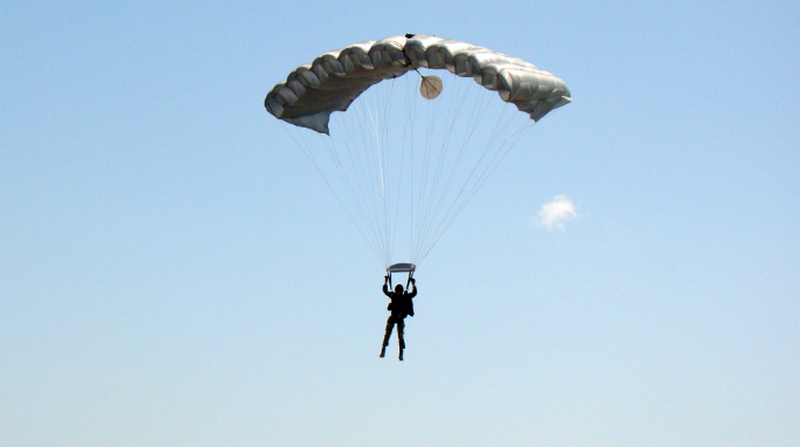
173	272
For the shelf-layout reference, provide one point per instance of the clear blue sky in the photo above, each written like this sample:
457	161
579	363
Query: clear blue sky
173	272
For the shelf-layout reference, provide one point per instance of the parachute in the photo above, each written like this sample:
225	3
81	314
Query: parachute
410	149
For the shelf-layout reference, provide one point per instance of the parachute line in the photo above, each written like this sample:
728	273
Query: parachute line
409	153
404	167
300	141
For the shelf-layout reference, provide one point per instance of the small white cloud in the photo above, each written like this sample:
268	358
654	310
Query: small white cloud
556	213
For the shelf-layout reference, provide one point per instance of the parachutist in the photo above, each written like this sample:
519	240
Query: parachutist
400	307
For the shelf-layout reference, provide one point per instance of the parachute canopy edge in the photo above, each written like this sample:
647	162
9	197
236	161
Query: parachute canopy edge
317	122
336	78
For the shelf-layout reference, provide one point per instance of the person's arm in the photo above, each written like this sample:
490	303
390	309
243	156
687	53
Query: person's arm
386	286
414	293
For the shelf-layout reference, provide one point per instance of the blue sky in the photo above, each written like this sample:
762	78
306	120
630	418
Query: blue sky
174	272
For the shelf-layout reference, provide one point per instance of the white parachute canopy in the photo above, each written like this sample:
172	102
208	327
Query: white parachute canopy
415	142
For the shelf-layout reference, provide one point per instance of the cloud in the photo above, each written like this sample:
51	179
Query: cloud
556	213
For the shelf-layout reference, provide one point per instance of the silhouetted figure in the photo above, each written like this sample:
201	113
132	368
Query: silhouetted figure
401	306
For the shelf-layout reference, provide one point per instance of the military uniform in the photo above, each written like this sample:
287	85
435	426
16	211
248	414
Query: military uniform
400	307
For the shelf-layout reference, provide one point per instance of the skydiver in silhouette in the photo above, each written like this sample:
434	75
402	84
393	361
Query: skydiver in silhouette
400	307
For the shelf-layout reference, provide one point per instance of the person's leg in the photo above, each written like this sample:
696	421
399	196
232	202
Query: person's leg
400	340
386	335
